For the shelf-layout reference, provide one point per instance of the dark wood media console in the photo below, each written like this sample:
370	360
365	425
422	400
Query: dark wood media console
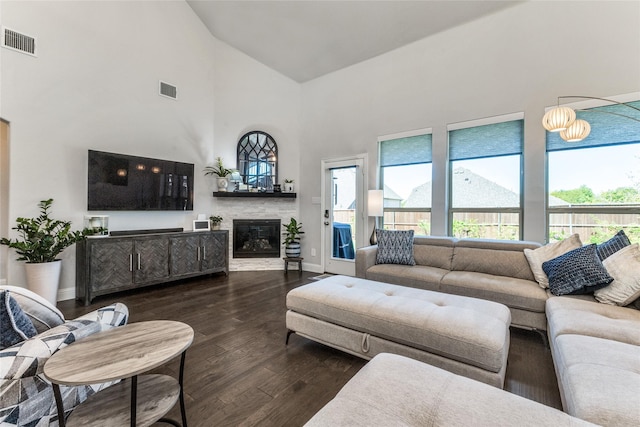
105	265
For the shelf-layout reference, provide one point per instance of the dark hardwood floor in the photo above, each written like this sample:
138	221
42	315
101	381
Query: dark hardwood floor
239	371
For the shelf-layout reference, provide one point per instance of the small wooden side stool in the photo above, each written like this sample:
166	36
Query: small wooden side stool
287	260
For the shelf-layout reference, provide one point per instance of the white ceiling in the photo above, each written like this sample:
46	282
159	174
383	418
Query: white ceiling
305	39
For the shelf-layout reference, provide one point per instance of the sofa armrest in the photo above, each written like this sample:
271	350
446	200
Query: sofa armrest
365	258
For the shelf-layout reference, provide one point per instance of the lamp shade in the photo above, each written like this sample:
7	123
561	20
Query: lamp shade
375	203
578	131
558	119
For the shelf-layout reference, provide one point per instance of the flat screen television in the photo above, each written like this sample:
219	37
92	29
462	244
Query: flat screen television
118	182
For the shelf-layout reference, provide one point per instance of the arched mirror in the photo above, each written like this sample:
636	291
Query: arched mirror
258	160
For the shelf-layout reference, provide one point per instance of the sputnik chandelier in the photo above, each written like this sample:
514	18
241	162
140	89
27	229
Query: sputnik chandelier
563	119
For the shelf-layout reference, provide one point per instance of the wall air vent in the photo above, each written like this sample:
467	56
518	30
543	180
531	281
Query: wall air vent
168	90
20	42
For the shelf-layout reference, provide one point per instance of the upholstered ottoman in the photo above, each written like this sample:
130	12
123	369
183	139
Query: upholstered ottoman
393	390
463	335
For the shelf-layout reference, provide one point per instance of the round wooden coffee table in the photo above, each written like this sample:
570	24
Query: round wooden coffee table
123	353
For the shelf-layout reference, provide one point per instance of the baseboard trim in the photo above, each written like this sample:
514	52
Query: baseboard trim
314	268
65	294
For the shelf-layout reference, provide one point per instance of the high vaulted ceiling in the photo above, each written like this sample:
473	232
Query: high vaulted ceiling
306	39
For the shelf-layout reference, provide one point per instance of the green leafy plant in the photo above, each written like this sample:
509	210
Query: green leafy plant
42	239
288	181
215	219
293	232
218	169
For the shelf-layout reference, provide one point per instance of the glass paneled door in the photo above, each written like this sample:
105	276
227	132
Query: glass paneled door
343	215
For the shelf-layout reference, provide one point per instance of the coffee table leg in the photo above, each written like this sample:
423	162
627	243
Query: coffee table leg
134	399
181	381
59	404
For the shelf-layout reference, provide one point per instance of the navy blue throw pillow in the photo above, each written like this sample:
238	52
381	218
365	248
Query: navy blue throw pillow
395	247
16	326
613	245
579	271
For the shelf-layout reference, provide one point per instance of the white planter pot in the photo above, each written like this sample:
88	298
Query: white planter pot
288	187
44	279
292	250
222	184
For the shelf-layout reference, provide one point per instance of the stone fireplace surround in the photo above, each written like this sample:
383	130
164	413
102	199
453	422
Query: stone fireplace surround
230	208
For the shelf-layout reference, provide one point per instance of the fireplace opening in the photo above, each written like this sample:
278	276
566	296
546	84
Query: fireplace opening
256	238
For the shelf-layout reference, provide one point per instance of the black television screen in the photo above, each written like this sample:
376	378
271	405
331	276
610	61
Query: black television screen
128	183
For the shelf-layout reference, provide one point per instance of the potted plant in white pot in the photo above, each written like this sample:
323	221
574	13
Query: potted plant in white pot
41	240
288	186
215	221
221	172
292	238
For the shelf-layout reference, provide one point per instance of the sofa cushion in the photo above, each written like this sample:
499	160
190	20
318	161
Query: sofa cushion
393	390
42	313
578	271
599	379
418	276
568	315
16	326
433	251
507	257
395	247
518	293
614	244
624	267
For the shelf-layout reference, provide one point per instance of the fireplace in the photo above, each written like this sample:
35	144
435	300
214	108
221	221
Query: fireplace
256	238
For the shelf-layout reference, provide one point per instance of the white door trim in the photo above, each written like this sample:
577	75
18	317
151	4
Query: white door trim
361	160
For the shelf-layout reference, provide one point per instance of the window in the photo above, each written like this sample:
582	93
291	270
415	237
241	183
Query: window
485	168
594	185
405	176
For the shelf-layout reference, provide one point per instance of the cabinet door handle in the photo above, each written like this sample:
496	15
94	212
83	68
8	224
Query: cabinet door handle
204	253
130	262
198	253
138	260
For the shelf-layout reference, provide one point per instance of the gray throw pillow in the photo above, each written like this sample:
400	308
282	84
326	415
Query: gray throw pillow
395	247
579	271
16	326
613	245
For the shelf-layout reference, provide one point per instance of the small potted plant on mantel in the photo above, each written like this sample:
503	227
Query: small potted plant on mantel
221	172
215	222
41	240
292	238
288	186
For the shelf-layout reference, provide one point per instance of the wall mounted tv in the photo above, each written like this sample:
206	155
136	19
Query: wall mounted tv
118	182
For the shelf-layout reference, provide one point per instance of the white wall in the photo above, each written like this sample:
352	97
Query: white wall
94	85
517	60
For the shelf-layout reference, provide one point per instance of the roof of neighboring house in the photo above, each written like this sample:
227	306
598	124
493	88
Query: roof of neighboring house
390	194
472	191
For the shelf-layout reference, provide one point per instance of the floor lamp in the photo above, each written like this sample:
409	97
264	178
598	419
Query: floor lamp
375	208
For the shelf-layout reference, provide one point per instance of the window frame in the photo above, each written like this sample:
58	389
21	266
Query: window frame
380	178
586	209
451	211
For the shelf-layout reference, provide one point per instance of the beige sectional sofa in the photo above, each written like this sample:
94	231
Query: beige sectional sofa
596	354
495	270
595	347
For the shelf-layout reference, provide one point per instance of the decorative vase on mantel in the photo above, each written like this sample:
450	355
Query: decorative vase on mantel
222	184
43	278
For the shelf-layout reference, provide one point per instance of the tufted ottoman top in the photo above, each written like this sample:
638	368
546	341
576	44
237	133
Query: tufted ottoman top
469	330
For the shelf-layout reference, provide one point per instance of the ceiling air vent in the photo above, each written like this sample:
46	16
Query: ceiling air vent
20	42
168	90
